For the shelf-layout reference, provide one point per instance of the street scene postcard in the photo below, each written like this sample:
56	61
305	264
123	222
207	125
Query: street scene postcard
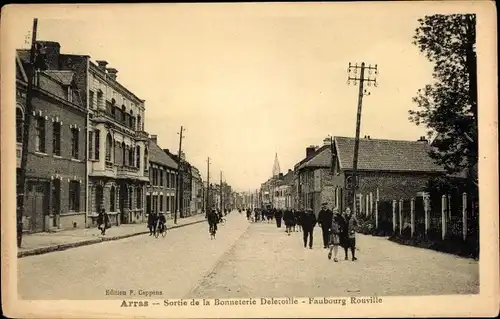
249	160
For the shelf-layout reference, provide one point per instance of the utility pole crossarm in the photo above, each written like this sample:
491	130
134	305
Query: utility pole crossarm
353	69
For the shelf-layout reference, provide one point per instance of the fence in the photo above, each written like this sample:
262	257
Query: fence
449	216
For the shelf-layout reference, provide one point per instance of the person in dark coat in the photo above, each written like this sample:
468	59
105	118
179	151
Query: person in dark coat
349	233
278	215
103	221
288	218
308	223
249	214
325	221
152	218
300	217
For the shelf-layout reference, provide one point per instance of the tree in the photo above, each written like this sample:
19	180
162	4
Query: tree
448	107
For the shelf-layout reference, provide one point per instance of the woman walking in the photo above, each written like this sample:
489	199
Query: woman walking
335	235
349	234
103	221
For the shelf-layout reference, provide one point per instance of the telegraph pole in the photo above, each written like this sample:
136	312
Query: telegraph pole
207	207
179	177
26	128
353	70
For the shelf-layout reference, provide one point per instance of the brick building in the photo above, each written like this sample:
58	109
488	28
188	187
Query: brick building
160	191
387	169
56	161
185	183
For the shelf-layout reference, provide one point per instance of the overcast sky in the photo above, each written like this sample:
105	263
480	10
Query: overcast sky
246	80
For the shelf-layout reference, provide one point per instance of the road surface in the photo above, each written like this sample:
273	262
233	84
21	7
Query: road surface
245	259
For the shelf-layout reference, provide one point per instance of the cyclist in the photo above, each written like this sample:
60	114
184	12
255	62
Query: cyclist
162	222
213	219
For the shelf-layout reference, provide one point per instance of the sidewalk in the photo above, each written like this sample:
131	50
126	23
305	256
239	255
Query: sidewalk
42	243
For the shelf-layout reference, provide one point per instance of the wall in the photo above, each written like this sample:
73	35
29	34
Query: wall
49	166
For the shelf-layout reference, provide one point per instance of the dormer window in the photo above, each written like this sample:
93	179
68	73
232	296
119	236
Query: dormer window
70	94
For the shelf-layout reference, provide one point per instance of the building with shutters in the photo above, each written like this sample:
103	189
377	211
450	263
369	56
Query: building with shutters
56	160
161	189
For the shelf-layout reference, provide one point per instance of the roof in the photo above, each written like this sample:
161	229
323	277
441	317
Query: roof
157	155
386	155
321	158
63	77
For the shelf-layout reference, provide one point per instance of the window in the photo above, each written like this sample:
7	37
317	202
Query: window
19	125
131	156
124	113
99	99
123	153
112	200
97	144
109	147
139	197
91	100
40	135
161	203
131	120
168	179
56	196
74	196
56	138
137	156
130	198
161	177
70	94
139	128
146	159
91	145
74	142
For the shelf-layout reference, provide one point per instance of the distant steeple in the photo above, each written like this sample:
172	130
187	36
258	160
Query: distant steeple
276	166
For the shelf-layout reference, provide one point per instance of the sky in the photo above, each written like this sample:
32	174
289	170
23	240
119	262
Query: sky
248	81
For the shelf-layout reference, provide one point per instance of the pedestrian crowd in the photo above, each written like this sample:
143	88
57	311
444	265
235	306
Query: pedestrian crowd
337	228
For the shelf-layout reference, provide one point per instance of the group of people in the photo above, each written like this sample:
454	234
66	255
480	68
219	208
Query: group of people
338	229
156	221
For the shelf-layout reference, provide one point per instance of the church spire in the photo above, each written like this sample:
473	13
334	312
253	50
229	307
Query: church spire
276	166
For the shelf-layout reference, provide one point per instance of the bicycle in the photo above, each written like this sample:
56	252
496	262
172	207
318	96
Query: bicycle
212	231
161	229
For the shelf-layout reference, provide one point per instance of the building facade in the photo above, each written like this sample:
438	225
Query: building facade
56	159
117	146
160	191
196	191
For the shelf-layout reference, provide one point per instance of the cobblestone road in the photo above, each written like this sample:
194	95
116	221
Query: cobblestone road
245	260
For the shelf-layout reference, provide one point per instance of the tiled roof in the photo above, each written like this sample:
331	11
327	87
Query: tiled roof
386	155
157	155
321	158
63	77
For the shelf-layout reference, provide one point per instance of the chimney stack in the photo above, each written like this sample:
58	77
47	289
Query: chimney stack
51	51
102	65
112	73
422	139
154	138
310	151
327	141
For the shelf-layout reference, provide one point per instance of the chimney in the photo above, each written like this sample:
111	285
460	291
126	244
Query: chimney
154	138
51	51
281	176
112	73
102	65
327	141
422	139
310	151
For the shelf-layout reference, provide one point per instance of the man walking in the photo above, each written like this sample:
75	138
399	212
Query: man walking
325	221
308	223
